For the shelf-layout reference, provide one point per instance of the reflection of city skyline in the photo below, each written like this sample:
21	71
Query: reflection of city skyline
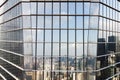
59	40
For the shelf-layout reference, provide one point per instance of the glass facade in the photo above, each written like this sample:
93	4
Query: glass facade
60	40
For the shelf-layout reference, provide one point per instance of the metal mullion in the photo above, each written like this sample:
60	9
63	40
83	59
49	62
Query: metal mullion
97	37
36	41
59	39
112	17
44	43
52	42
109	6
67	38
113	68
87	74
83	42
109	21
60	14
75	42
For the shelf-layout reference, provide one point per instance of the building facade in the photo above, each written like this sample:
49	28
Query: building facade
60	40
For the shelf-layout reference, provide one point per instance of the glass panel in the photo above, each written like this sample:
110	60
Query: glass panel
41	8
55	21
63	8
39	49
33	21
100	23
71	8
86	22
86	8
63	21
63	35
55	35
71	22
79	22
48	21
33	8
94	9
47	49
26	22
40	22
27	48
56	8
79	35
92	35
79	50
48	7
26	8
79	8
27	35
40	36
71	50
94	22
71	35
55	49
92	50
85	35
33	35
63	49
79	59
48	35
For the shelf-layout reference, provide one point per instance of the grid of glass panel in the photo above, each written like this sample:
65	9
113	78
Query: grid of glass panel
60	40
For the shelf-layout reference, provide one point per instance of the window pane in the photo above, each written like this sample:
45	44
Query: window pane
27	48
33	35
63	8
94	22
39	49
55	21
86	8
79	8
33	8
71	8
63	21
63	49
27	35
48	35
40	8
48	9
26	8
79	22
86	22
79	50
48	21
63	35
92	35
71	35
85	35
71	22
40	36
72	49
55	35
92	50
40	22
47	49
26	22
55	49
94	9
33	21
56	8
79	35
